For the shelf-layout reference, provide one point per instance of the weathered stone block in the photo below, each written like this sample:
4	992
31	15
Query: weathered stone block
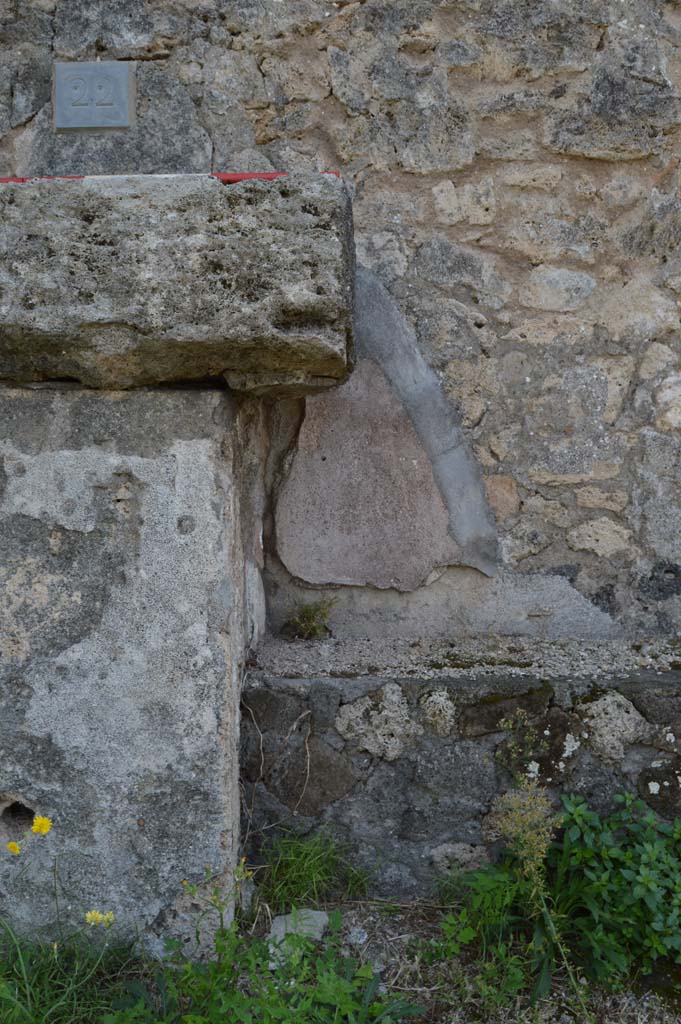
121	606
361	504
130	281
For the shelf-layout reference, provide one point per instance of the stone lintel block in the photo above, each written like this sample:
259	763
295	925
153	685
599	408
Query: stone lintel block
121	612
128	281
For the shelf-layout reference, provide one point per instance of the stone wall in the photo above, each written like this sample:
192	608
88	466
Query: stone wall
515	175
504	458
131	507
398	750
122	580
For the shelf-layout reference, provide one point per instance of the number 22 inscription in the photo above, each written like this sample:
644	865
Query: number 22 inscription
98	92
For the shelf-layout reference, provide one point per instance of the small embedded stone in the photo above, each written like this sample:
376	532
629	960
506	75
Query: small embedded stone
381	724
602	536
611	724
553	288
502	494
668	399
660	786
597	497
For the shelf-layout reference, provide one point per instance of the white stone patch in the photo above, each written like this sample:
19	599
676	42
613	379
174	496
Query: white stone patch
475	203
532	770
654	788
603	536
668	400
383	729
614	724
440	712
571	745
553	288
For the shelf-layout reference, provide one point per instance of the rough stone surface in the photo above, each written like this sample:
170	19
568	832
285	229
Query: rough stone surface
498	153
150	146
458	857
121	635
384	336
381	726
421	794
310	924
176	278
603	536
556	289
502	494
612	722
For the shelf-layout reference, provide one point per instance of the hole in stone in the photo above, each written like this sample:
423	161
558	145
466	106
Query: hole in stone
186	524
16	818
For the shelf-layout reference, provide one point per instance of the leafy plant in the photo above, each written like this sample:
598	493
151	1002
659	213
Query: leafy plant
310	620
599	897
310	985
303	870
75	981
507	906
615	884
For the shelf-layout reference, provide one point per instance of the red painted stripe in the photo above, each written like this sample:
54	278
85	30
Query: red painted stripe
233	179
227	179
43	177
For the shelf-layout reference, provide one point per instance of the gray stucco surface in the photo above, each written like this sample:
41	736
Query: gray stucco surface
121	596
384	335
137	280
460	602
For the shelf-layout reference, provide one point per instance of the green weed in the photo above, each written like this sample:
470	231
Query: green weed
596	898
615	885
307	870
310	985
60	983
310	620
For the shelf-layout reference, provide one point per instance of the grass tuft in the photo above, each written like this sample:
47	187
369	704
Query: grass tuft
310	620
70	982
304	870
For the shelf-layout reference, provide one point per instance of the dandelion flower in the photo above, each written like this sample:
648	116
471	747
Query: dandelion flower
14	848
95	918
41	826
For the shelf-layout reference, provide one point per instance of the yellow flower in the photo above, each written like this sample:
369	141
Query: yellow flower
41	826
95	917
14	848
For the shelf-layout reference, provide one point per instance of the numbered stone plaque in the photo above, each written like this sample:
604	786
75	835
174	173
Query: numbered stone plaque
93	94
